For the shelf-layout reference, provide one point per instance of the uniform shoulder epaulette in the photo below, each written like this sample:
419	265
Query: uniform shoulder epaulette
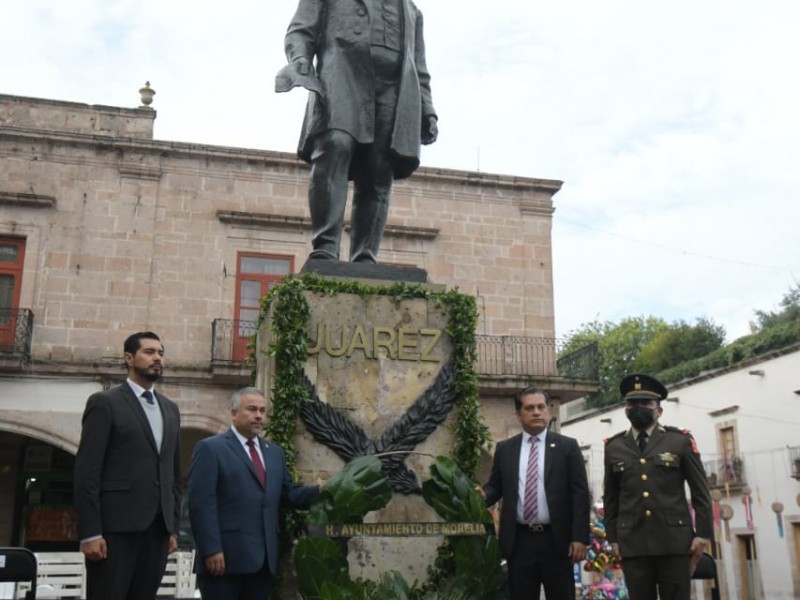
685	432
615	436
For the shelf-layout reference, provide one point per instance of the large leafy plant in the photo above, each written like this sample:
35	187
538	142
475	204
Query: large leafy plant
321	563
477	559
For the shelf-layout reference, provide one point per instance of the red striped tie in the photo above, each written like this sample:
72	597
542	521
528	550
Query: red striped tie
530	510
260	473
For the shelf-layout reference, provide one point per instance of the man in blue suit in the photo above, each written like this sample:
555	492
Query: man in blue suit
237	483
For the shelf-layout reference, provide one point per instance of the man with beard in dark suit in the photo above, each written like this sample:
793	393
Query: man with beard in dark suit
544	521
127	474
368	111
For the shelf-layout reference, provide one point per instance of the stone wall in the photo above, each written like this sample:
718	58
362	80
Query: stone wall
124	232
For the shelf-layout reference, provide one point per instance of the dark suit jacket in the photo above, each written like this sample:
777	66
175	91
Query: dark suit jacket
338	35
229	510
644	501
565	485
121	480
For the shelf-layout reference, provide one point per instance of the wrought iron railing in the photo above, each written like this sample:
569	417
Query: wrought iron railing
16	333
497	355
725	471
516	355
532	356
229	340
583	363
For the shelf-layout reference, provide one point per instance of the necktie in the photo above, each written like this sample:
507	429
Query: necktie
260	473
530	509
148	395
642	440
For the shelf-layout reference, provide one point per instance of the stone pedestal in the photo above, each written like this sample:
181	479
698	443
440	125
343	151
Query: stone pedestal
371	358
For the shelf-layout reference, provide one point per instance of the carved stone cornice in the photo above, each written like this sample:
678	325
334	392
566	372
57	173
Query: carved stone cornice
271	221
408	231
27	200
535	208
140	172
263	220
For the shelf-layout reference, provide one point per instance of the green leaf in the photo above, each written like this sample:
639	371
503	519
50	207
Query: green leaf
360	487
452	495
319	561
478	568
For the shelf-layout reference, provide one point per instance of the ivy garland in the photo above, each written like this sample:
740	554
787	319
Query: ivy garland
289	346
290	314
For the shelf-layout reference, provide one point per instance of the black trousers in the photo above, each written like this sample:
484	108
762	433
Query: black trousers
247	586
534	563
134	567
651	577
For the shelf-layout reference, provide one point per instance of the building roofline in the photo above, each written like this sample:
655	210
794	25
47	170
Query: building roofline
684	383
133	112
473	179
714	373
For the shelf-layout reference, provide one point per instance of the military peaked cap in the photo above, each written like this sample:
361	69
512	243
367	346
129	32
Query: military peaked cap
642	387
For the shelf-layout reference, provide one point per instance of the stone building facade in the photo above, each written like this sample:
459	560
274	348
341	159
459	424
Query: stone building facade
105	230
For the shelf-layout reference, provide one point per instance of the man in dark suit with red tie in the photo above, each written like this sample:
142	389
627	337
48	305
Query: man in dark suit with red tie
237	482
127	479
544	520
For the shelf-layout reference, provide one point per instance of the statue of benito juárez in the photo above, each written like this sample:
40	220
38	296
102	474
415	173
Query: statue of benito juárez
369	109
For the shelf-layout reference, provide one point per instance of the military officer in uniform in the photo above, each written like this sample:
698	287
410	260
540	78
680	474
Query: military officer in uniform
647	516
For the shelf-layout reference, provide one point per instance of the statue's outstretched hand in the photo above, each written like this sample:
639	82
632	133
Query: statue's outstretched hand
430	129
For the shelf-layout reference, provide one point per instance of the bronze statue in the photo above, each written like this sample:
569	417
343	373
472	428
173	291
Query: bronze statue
369	109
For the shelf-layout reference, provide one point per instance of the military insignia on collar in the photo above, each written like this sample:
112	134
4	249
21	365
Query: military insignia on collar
668	458
553	445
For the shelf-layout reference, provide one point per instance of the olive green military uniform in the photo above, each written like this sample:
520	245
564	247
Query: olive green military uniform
646	512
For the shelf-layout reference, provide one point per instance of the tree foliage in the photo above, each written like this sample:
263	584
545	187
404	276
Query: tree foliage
674	351
678	343
642	344
742	349
790	310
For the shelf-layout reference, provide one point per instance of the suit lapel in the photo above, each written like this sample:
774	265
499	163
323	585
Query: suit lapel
241	452
408	27
270	466
515	445
629	440
655	439
135	405
550	449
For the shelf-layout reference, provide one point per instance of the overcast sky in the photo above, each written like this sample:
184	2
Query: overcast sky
675	126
